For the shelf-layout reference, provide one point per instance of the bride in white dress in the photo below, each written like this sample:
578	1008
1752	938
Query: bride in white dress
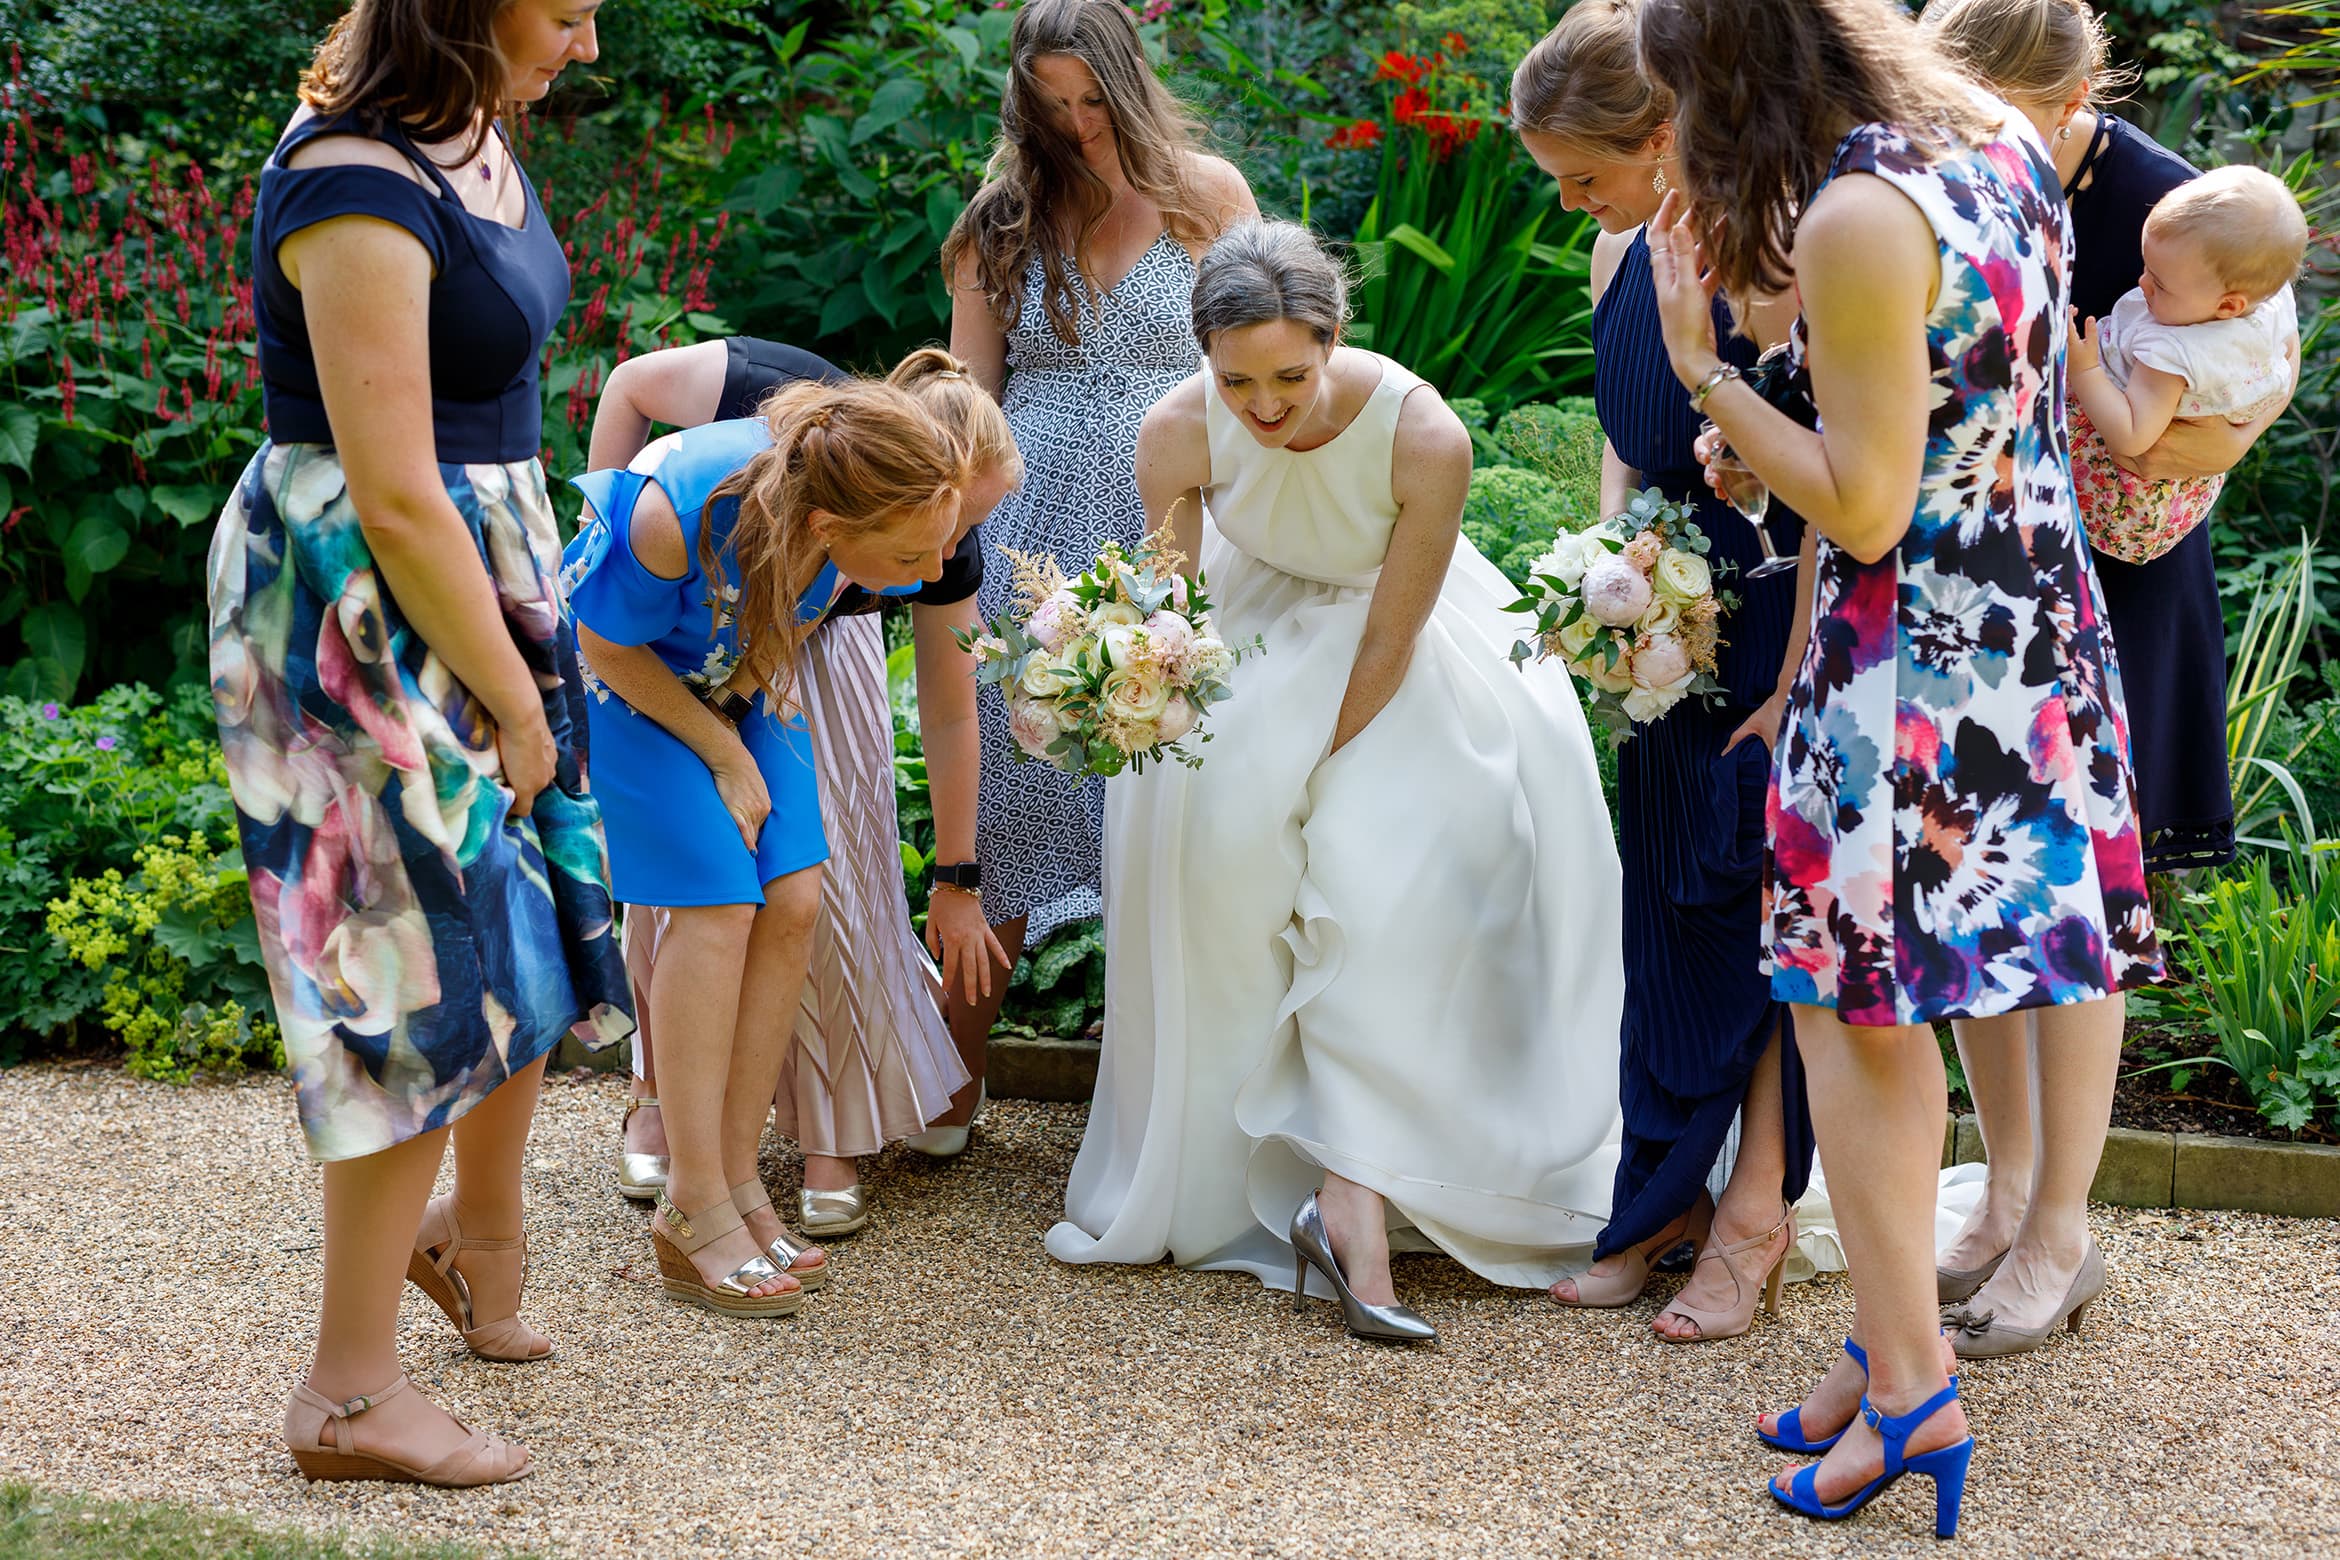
1371	944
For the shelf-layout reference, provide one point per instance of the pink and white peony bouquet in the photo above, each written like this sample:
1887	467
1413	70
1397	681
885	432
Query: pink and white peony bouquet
1109	669
1629	605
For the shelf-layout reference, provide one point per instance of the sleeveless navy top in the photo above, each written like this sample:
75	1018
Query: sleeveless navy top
496	292
1649	420
2121	176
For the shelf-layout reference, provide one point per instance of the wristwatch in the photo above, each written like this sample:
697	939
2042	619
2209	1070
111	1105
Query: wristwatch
958	874
730	704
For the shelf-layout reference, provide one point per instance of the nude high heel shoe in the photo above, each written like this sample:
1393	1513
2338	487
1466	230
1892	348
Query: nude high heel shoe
1985	1337
317	1433
431	1269
1714	1326
1608	1291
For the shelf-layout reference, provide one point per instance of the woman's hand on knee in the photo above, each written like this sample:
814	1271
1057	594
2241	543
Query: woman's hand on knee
740	784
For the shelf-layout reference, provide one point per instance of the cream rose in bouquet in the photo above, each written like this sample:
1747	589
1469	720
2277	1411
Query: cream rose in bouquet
1108	670
1629	605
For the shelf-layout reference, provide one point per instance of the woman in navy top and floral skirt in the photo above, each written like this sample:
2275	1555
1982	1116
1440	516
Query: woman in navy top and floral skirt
397	703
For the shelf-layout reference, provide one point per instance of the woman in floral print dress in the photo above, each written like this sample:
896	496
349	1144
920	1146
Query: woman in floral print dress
1951	809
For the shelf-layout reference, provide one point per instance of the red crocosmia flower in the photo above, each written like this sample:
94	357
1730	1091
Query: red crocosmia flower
1454	43
1397	66
1410	105
1362	135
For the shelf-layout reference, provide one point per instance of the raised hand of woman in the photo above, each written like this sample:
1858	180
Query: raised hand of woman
525	747
1685	290
740	784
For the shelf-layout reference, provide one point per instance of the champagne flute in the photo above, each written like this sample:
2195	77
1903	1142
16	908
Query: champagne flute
1750	496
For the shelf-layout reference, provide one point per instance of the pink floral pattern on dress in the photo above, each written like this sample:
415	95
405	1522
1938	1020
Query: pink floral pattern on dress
2132	518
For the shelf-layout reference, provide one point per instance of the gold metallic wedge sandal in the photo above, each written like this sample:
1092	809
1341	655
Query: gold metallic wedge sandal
800	1260
640	1177
832	1215
317	1433
431	1269
734	1295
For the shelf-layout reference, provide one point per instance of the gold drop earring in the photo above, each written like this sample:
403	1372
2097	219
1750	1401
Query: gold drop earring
1657	181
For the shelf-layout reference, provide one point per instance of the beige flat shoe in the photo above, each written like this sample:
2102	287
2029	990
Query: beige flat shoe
676	1235
311	1417
832	1214
800	1260
431	1269
640	1177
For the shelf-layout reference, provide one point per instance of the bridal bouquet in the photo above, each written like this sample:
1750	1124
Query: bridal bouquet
1111	668
1629	606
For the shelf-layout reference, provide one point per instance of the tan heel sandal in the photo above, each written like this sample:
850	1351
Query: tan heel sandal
1714	1326
731	1297
311	1417
1608	1291
786	1251
640	1177
431	1269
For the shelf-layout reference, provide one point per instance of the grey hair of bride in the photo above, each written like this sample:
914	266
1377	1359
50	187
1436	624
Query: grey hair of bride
1260	272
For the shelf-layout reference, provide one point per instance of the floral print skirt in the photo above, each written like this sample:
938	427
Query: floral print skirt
422	944
2132	518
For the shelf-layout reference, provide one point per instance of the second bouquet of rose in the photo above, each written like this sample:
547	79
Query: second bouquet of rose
1110	668
1629	605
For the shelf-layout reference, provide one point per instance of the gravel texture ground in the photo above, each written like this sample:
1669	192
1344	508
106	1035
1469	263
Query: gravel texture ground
957	1393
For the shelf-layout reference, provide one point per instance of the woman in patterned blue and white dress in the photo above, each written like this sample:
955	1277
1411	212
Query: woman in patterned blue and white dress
1071	274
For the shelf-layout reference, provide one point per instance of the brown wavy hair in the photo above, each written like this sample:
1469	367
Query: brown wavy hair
1583	83
430	65
1765	89
2029	51
1038	192
945	387
870	454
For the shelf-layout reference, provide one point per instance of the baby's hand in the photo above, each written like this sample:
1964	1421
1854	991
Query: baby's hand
2086	350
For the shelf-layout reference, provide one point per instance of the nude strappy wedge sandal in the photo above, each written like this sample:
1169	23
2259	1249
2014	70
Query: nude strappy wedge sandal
733	1296
431	1269
786	1251
312	1417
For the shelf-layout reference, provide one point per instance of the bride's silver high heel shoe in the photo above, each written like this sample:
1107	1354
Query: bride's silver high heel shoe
1312	1248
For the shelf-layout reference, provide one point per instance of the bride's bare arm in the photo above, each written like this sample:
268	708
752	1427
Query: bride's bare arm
1173	463
1430	474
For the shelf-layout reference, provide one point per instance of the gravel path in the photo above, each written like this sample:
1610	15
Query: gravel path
956	1393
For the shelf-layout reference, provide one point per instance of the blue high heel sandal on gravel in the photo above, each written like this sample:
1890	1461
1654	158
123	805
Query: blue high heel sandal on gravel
1789	1437
1946	1466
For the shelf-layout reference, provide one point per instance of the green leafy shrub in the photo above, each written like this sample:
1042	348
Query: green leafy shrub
2264	967
1513	513
85	789
185	989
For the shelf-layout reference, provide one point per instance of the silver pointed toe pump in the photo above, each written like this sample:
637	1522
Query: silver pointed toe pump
1312	1248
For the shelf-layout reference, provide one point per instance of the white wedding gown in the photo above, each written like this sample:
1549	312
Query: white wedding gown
1400	962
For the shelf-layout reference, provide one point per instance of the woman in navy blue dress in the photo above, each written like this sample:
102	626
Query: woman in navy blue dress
1703	1042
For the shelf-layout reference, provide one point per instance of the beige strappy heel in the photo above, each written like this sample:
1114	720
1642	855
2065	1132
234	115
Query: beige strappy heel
1714	1326
733	1296
1608	1291
431	1269
311	1417
788	1253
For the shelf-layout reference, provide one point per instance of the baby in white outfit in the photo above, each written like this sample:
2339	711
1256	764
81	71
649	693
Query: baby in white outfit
2205	333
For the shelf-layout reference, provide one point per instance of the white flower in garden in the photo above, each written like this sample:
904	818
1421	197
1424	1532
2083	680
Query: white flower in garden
1643	704
1571	552
1114	612
1615	592
1681	577
1663	617
1041	678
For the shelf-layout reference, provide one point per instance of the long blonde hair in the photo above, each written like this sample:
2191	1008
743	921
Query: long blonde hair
945	387
870	454
1038	190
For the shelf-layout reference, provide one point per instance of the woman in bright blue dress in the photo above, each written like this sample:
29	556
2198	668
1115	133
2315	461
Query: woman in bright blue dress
696	577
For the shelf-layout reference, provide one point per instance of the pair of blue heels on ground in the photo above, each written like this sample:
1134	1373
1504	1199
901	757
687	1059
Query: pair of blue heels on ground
1946	1466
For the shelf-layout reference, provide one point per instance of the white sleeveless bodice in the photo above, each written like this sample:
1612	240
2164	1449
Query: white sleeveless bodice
1323	514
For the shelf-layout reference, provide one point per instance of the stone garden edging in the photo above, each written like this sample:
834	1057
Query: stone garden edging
2195	1170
